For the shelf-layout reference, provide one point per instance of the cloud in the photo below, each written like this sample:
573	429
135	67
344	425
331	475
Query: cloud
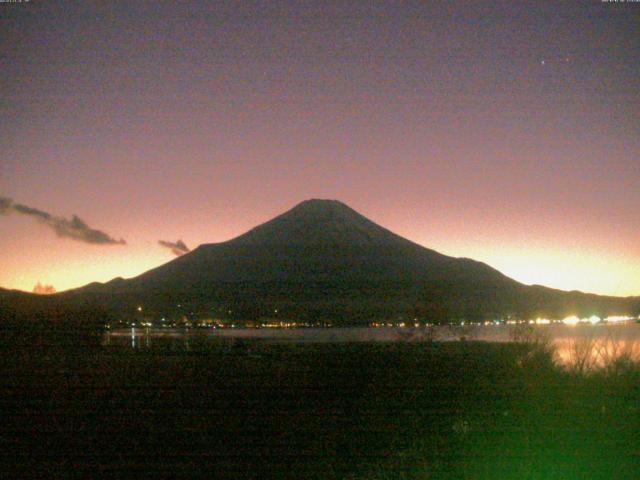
178	248
43	289
74	228
5	205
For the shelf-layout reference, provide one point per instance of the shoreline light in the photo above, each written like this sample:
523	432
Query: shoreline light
618	318
594	319
572	320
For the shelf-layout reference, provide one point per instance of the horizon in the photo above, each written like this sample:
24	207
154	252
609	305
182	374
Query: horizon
505	133
46	289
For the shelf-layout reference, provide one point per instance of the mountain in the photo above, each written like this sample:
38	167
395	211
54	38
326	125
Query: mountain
12	294
323	260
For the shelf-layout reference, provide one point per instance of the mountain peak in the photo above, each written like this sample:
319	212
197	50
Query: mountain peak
317	221
320	203
319	207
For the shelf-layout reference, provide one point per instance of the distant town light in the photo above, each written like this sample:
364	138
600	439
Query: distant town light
139	308
594	319
618	318
572	320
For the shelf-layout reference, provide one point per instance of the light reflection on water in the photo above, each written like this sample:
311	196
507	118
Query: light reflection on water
592	345
596	351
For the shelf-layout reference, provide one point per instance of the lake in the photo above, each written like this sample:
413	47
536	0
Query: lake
586	343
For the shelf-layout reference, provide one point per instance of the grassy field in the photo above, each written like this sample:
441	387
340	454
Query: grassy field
356	411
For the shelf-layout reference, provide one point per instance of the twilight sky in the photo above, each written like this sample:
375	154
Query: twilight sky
508	132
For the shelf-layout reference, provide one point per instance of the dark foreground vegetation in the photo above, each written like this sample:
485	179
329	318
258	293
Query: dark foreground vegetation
219	409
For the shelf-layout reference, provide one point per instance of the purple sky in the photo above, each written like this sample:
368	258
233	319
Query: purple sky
508	132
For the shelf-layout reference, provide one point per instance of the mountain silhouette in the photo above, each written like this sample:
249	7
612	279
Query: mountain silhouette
322	260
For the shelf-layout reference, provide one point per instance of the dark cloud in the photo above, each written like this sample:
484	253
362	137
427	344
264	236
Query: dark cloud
5	205
178	248
74	228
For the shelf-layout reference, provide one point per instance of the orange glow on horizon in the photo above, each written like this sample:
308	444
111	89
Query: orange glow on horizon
68	265
76	273
565	270
37	255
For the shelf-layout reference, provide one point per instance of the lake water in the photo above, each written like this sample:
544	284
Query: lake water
591	344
